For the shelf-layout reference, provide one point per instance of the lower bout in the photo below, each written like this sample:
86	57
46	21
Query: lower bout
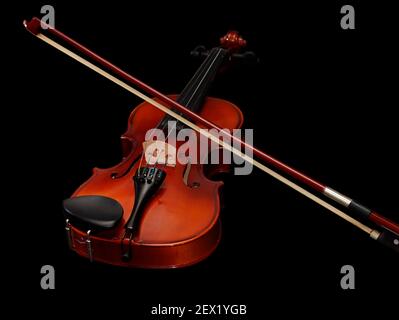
165	256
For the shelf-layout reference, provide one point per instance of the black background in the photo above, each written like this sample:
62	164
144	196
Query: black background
321	99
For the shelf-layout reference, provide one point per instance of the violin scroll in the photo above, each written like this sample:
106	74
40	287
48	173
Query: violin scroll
232	41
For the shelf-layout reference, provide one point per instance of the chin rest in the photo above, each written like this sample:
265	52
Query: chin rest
93	212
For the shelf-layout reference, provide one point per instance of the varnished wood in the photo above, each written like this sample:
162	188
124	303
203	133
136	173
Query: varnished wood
180	225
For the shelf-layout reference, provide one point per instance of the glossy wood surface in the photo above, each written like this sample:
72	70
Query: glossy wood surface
180	225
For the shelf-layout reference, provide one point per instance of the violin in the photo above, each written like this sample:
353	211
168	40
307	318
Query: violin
150	212
160	214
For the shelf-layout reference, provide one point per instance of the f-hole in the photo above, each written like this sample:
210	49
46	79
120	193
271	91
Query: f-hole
186	175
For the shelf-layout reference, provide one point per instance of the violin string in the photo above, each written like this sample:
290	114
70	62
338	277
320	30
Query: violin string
141	159
189	87
194	79
206	73
165	164
189	101
199	96
143	152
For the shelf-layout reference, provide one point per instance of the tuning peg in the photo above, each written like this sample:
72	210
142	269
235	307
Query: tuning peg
199	51
248	57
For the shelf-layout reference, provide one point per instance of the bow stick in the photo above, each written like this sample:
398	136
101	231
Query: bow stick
385	237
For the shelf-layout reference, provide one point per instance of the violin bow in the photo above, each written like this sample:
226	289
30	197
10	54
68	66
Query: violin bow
389	235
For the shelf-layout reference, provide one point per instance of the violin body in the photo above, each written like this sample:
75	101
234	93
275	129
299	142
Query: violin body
180	224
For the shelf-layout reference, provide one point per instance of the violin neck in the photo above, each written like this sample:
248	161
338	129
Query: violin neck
197	88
